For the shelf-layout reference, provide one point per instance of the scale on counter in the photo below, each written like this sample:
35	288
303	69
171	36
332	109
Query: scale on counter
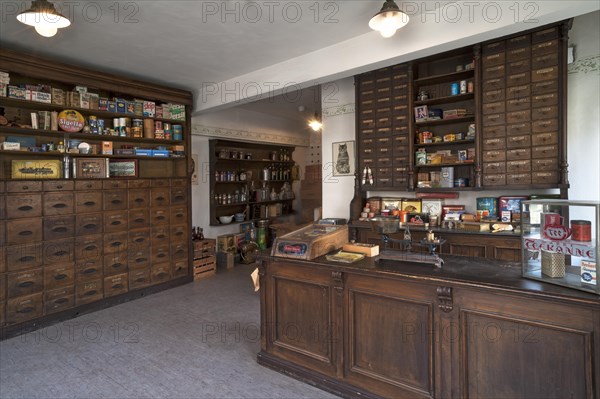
390	225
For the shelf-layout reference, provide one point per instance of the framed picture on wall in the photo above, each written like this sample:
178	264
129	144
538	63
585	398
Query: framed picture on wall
344	158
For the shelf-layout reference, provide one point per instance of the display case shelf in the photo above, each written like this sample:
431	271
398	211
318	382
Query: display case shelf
445	143
446	99
437	122
560	243
446	77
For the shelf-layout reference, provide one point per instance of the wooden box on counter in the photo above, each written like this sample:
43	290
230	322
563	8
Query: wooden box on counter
310	242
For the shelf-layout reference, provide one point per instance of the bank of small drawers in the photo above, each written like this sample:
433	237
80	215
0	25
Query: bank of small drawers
65	243
205	264
520	103
383	143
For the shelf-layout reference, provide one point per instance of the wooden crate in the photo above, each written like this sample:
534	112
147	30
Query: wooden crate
205	267
204	247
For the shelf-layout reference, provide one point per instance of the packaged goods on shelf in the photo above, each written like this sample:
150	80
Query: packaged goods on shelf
454	113
149	109
103	104
16	92
58	96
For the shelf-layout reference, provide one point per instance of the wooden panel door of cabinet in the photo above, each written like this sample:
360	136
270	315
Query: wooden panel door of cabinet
390	337
302	302
552	349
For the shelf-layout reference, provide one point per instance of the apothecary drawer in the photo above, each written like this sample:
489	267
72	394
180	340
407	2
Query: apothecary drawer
58	185
160	253
115	263
494	180
88	184
542	74
179	214
24	231
160	183
179	233
518	104
544	48
114	200
25	282
518	154
514	67
498	143
493	108
160	216
89	270
494	131
494	156
139	239
59	251
23	206
518	116
518	41
160	272
518	166
58	227
518	79
518	178
160	234
139	218
160	197
490	168
517	129
139	259
494	119
493	95
56	276
138	198
518	54
544	125
59	299
115	285
24	256
521	141
550	177
546	151
179	251
544	165
23	186
88	223
496	71
88	201
493	59
179	268
548	86
58	203
89	247
138	183
88	291
115	243
544	139
544	100
114	184
139	278
544	113
518	92
24	308
115	221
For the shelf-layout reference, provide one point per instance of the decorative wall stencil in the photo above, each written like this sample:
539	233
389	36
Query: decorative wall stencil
585	65
200	130
339	110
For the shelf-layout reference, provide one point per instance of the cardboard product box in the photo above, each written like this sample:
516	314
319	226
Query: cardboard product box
58	96
121	105
226	242
43	97
447	177
3	89
588	272
94	101
149	109
103	104
225	260
107	148
177	112
16	92
85	101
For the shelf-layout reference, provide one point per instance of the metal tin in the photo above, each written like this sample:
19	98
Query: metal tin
581	230
460	182
454	89
463	87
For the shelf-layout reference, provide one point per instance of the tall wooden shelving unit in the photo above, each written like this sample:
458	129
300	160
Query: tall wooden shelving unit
69	246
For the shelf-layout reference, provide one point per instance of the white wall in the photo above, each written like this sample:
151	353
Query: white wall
584	109
583	131
337	102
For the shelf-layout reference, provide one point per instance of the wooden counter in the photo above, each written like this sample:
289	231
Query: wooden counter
387	329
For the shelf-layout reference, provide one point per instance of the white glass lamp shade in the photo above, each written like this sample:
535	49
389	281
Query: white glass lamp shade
388	20
43	16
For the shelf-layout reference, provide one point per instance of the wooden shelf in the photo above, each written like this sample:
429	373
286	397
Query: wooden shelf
444	143
84	136
447	77
442	189
51	154
34	105
445	164
253	161
231	182
437	122
446	100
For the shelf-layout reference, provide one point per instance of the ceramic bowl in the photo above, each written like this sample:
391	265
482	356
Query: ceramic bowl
225	219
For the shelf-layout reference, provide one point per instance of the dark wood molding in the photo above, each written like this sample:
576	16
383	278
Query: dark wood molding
444	298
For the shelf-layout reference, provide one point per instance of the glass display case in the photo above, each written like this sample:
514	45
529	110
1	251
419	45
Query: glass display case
559	242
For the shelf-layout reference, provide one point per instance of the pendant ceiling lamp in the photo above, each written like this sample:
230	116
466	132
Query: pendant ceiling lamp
44	18
389	19
315	124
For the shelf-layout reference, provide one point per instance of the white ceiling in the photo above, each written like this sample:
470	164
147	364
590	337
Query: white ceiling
231	52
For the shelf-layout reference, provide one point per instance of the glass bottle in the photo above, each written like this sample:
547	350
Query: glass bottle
200	233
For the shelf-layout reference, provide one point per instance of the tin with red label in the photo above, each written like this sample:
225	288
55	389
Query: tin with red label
581	230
